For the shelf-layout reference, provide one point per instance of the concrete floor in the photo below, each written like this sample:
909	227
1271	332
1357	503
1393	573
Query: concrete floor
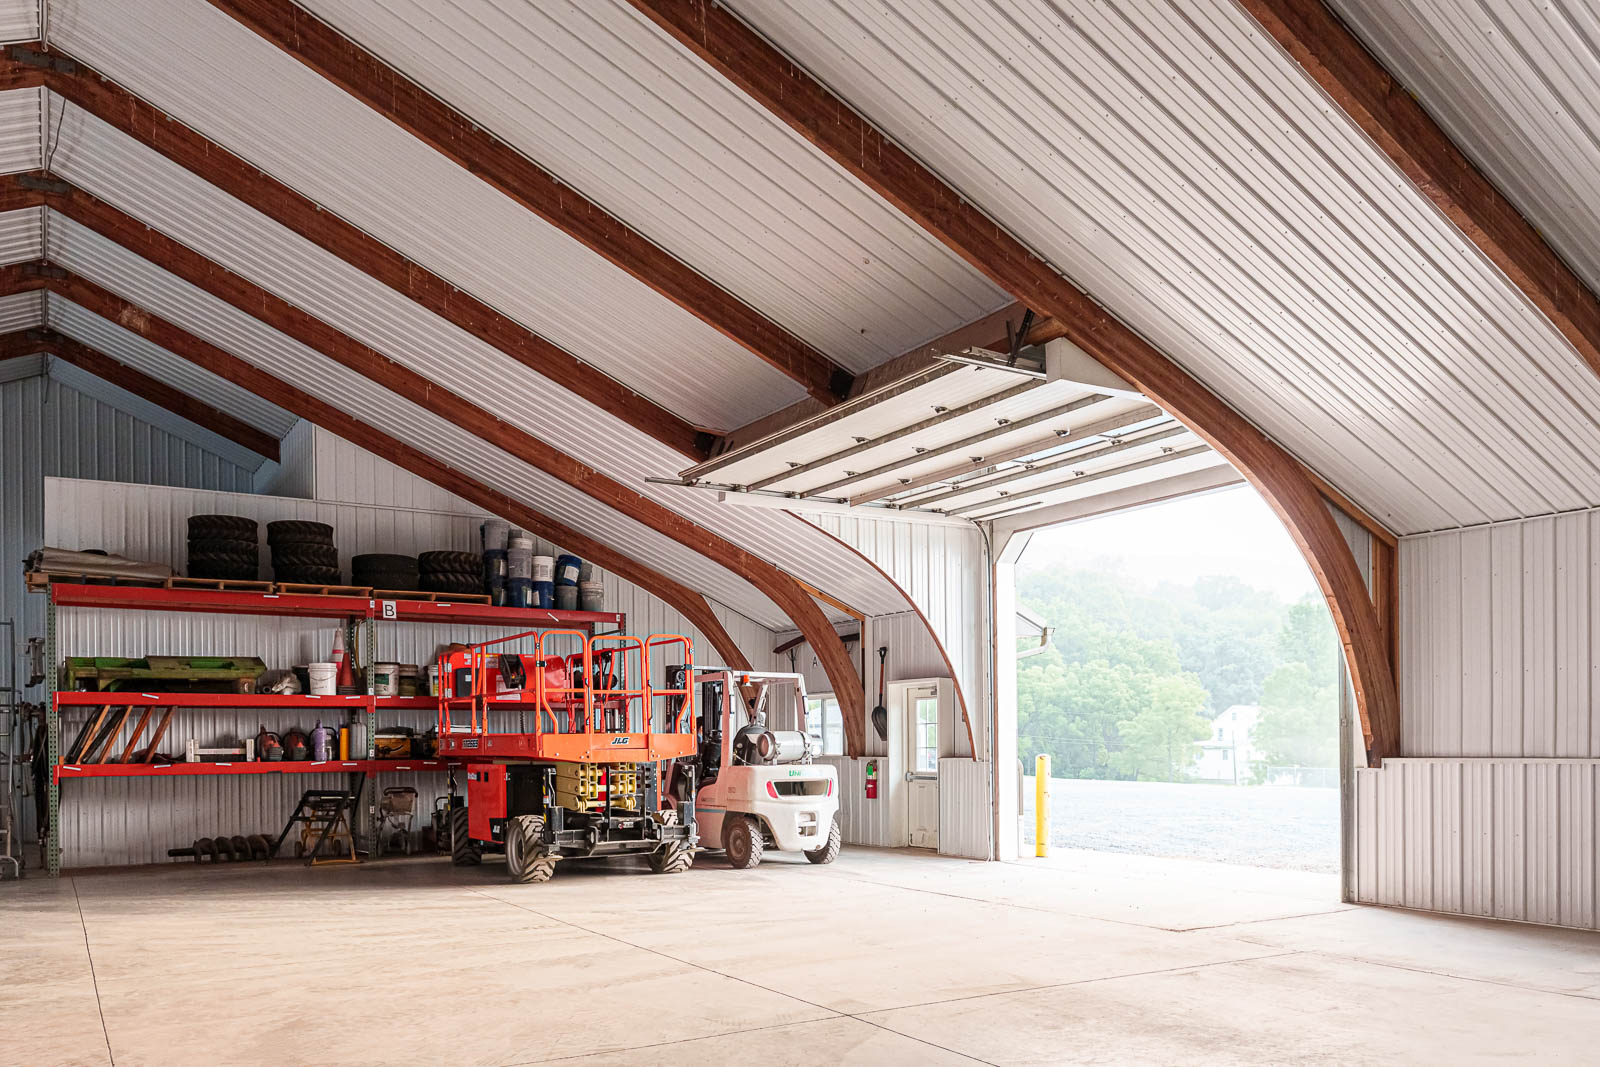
884	958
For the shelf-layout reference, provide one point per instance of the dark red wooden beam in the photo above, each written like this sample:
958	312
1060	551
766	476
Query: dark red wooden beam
101	98
745	58
202	353
1396	123
143	385
461	139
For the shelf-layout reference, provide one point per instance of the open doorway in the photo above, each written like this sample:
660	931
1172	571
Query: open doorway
1179	667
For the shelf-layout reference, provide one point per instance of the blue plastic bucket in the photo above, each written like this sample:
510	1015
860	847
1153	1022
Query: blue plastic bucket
568	568
519	592
544	595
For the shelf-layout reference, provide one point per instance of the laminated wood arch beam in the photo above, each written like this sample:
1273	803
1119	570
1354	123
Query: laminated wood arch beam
273	311
224	364
140	384
83	88
746	59
457	137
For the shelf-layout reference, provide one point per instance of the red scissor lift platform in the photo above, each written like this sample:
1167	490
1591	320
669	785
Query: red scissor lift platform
564	748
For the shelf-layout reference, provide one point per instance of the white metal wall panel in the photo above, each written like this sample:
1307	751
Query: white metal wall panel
1174	161
966	809
294	473
170	199
598	95
21	235
1512	84
1499	636
124	346
242	92
21	144
19	20
1502	838
862	821
941	570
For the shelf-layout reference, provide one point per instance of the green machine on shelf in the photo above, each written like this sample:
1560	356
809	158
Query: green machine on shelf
160	674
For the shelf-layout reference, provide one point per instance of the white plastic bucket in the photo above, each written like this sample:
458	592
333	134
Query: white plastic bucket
591	596
324	678
544	568
386	679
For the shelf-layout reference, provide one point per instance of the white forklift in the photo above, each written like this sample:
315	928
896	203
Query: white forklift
758	787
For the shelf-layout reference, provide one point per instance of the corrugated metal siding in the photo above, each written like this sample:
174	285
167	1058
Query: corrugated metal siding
293	474
150	522
245	94
1503	838
1499	637
878	822
19	20
21	146
941	570
1513	87
1171	159
966	814
21	235
21	311
595	93
127	347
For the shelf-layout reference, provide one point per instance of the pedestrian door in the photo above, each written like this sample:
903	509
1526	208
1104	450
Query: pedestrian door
922	761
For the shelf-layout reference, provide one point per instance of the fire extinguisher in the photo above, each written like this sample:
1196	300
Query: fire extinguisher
872	779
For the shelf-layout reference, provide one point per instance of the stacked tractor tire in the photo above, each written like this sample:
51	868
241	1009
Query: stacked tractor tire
303	553
223	546
450	572
384	570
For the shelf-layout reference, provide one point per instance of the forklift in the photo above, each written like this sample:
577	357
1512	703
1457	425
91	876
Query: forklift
564	752
752	787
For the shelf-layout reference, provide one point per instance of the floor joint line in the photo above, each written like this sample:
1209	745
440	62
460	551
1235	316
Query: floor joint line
93	978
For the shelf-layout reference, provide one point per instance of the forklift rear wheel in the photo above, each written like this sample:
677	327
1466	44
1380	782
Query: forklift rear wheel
464	852
672	859
829	852
527	857
741	837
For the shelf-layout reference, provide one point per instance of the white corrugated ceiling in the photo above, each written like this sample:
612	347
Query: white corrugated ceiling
19	20
1172	160
240	91
1517	88
21	311
160	194
595	94
20	145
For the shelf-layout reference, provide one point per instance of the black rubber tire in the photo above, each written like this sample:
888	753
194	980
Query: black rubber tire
527	859
249	556
233	572
221	546
400	583
384	561
741	837
305	554
308	575
464	852
286	531
829	852
470	562
429	584
222	526
672	859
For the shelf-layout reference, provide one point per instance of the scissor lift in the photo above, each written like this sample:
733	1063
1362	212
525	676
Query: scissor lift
563	748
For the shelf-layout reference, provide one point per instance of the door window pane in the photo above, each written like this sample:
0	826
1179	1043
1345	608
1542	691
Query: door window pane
927	736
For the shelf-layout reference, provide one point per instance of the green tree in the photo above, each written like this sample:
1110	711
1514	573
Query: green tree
1072	712
1160	741
1299	724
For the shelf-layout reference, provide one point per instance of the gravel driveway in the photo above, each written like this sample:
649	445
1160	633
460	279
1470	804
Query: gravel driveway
1258	826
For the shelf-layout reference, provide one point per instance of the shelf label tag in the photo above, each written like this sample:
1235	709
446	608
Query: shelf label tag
389	610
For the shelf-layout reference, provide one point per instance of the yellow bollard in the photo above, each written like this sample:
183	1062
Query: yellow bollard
1041	805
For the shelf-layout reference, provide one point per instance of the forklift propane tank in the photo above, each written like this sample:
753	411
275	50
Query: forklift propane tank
757	744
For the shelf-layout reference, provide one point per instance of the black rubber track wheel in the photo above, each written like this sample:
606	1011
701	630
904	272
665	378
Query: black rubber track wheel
221	546
229	572
308	575
305	554
299	530
464	852
449	561
384	561
225	526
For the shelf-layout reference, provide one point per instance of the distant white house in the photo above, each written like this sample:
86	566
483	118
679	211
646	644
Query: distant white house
1228	754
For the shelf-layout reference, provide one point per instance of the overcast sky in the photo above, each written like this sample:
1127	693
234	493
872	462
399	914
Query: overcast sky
1229	532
